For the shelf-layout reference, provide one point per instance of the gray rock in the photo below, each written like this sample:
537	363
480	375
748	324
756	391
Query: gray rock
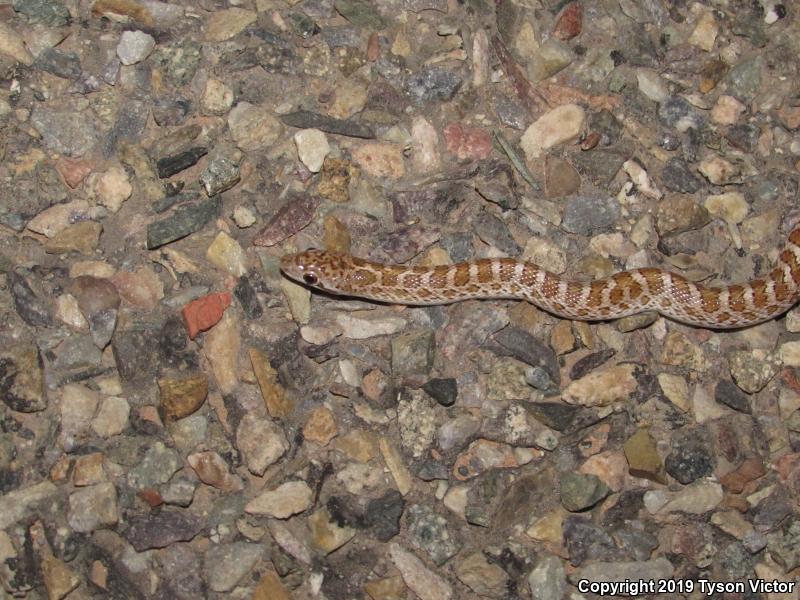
494	232
134	47
580	492
157	466
93	507
677	177
65	132
135	354
586	541
429	532
548	580
181	568
77	352
677	113
521	345
745	78
46	12
444	391
179	61
185	220
162	529
382	515
588	216
225	565
412	353
59	63
730	395
417	421
458	246
22	198
221	174
433	84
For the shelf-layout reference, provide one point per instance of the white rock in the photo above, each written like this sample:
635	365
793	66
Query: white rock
134	47
312	148
652	85
555	127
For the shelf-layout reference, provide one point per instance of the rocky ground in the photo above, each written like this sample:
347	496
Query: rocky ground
179	421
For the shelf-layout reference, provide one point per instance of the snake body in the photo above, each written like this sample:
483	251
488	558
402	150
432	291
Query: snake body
622	294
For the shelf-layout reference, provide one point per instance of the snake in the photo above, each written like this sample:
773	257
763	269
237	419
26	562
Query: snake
620	295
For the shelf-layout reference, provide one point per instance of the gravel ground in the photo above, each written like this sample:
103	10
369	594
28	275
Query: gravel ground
180	421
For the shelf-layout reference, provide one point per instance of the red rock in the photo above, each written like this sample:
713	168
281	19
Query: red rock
73	171
569	22
151	496
202	314
468	143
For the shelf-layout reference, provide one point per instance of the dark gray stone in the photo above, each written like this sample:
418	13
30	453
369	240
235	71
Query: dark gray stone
581	492
494	231
433	84
429	532
690	458
162	529
59	63
305	119
185	220
46	12
521	345
444	391
678	177
221	174
33	306
588	216
729	394
168	166
586	541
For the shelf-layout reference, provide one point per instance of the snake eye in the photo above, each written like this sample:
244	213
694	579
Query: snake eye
310	278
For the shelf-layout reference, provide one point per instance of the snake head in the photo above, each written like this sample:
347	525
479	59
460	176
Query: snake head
318	269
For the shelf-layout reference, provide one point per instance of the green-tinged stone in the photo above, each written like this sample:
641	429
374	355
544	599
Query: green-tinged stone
184	221
360	13
46	12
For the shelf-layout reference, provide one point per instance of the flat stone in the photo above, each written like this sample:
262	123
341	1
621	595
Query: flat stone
18	503
429	532
162	529
555	127
580	492
643	458
423	582
112	417
282	502
157	466
224	24
213	470
226	564
93	507
184	221
253	127
203	313
261	441
226	254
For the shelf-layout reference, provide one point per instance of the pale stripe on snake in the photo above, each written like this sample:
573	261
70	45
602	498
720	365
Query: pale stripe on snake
622	294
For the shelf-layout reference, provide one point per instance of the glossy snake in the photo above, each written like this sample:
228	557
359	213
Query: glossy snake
622	294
